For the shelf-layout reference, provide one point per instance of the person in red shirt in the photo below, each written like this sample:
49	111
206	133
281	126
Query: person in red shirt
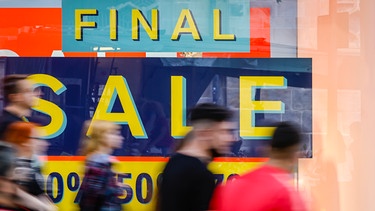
270	187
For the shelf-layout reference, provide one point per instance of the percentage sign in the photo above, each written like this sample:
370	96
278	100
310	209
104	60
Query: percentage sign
73	181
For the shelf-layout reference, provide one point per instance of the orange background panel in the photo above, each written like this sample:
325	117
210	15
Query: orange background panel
30	35
30	31
260	32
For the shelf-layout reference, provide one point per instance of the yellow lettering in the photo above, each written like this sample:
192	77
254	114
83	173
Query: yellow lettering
185	16
113	24
79	24
152	31
58	117
178	107
249	106
217	28
117	86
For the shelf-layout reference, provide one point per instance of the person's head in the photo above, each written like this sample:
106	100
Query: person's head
285	142
104	134
213	125
18	90
24	136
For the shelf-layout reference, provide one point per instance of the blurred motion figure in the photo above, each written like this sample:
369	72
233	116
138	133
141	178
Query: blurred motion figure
100	189
186	183
19	97
269	187
24	137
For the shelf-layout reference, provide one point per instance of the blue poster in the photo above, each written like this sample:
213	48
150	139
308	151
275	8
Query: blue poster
152	87
155	26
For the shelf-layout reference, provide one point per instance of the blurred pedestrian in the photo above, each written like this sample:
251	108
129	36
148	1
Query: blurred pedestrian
269	187
100	189
186	183
27	173
8	189
19	97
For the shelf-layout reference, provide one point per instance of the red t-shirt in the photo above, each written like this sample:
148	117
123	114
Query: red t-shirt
267	188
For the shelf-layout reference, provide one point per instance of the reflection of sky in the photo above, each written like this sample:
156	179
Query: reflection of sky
30	3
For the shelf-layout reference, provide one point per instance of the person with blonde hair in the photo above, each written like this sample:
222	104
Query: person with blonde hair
99	189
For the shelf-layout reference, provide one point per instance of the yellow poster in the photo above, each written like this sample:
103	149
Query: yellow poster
138	174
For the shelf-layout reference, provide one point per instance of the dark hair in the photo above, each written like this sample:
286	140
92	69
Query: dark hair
10	85
210	112
7	158
285	135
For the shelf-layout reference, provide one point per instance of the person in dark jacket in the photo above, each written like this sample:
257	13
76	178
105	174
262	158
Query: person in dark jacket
186	183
